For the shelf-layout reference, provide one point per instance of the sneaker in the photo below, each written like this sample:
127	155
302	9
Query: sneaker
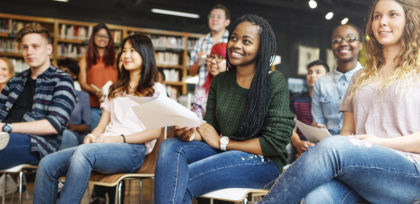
4	140
11	185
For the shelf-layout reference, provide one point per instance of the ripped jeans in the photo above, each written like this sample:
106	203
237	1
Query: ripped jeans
344	170
186	170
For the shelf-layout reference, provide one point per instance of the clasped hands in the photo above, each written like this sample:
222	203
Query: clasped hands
204	132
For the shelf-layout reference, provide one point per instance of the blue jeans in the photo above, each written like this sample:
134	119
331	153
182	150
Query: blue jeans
186	170
18	151
95	116
69	139
344	170
77	163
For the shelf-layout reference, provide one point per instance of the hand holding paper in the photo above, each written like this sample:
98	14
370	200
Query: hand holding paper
313	134
161	111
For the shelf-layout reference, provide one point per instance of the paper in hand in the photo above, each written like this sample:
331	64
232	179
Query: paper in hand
161	111
313	134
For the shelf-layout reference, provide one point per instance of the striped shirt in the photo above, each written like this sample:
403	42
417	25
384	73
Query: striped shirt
204	44
54	100
300	105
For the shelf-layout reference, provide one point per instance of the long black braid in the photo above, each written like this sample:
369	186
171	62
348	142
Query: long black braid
254	117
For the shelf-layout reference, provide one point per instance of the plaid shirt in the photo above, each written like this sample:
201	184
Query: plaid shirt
54	99
204	44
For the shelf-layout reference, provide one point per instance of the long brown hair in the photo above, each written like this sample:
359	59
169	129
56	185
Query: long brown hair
148	74
409	57
92	52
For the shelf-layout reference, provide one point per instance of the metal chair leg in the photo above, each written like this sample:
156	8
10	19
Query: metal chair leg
4	189
26	187
20	186
119	192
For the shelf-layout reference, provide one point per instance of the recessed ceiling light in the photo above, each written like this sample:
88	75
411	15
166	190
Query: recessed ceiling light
329	15
345	21
62	1
175	13
312	4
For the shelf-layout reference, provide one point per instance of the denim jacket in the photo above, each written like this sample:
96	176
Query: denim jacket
327	95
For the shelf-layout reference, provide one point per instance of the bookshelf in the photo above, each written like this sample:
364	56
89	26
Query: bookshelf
70	39
10	24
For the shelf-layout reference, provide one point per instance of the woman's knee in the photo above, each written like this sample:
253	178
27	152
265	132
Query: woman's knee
47	165
83	152
334	144
170	146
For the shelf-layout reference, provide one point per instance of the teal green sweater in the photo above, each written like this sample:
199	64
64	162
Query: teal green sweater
226	106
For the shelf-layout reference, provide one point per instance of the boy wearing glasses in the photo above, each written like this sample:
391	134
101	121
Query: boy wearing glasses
219	19
330	89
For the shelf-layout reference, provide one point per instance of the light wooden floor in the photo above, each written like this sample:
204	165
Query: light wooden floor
131	193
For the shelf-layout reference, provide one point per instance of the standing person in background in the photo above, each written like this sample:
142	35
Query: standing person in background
300	105
79	123
378	157
36	104
219	19
216	63
97	67
329	90
7	71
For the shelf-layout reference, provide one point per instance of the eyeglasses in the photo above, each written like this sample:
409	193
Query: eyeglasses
348	39
218	58
102	36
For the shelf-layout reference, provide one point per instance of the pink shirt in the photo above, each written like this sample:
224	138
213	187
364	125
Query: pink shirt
384	114
123	119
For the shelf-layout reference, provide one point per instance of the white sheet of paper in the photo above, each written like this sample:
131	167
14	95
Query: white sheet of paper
161	111
313	134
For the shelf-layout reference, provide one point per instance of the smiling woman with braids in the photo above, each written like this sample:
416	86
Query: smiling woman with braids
249	108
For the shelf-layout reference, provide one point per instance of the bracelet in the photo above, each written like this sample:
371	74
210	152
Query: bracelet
123	136
91	135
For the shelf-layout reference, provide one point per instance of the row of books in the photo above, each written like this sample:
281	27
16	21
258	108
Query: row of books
12	26
9	45
171	75
71	50
19	65
167	58
191	43
74	32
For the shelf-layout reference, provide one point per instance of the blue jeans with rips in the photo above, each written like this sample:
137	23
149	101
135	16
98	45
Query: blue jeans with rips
18	151
186	170
77	163
344	170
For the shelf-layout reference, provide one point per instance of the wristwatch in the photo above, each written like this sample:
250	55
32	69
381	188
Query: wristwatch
224	141
7	127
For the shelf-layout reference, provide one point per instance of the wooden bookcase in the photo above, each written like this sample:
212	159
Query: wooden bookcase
70	39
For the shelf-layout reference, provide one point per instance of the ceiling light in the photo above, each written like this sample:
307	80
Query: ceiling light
312	4
329	15
345	21
175	13
62	1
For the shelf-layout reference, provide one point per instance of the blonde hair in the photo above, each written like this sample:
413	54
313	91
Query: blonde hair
408	65
9	65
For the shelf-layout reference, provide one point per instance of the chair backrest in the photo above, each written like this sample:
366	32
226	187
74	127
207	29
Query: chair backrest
149	163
